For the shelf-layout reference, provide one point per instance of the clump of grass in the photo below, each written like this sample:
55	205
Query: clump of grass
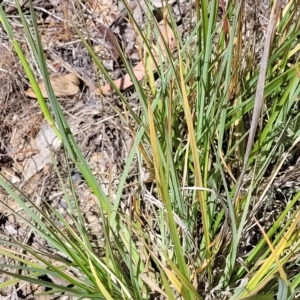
214	136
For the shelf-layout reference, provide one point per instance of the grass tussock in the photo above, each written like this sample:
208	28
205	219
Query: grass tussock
211	142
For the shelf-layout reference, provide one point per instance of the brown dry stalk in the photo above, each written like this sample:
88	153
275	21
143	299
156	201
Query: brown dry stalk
259	96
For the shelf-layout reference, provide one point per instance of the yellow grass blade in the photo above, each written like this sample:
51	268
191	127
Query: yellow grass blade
193	145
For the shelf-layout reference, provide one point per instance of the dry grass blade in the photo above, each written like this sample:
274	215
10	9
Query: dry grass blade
198	174
259	97
266	272
274	253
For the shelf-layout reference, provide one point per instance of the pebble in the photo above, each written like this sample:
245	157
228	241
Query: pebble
63	204
10	229
62	211
15	180
92	219
76	177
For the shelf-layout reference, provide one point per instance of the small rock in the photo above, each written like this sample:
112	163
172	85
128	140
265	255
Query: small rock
92	219
63	204
15	180
76	177
62	211
10	229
